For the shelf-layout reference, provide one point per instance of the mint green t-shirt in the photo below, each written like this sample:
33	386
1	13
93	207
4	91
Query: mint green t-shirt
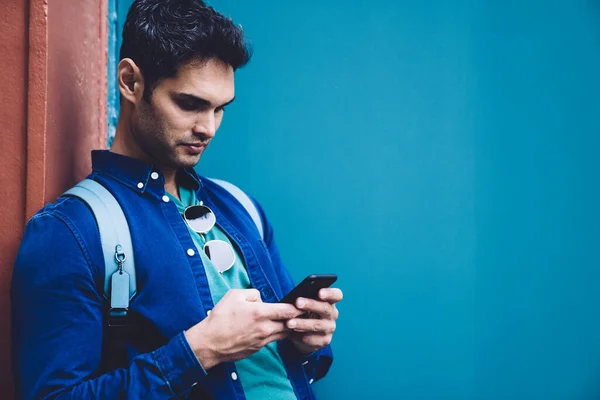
262	374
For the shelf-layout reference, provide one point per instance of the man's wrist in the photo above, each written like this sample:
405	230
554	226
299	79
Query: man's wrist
201	348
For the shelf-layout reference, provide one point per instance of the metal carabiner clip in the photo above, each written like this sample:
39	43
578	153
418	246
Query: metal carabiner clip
120	257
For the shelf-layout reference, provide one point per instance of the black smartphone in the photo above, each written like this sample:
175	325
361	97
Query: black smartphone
309	287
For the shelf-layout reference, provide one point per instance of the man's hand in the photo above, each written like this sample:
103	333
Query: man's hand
239	325
314	333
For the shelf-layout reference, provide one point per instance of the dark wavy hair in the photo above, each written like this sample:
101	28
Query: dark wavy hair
162	35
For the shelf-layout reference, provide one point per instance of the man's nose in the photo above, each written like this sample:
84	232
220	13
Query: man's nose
206	125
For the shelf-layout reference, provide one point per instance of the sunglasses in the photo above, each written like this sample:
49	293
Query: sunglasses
201	220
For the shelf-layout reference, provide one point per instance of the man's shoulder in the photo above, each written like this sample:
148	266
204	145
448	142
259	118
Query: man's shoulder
58	242
68	209
69	217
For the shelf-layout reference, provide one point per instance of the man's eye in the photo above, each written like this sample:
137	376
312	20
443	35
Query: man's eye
220	109
187	105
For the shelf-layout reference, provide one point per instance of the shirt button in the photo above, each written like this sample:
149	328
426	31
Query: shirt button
311	381
154	175
165	198
234	376
191	252
140	185
208	312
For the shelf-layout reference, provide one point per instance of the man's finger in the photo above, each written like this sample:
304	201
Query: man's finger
321	308
271	328
314	340
323	326
331	295
280	312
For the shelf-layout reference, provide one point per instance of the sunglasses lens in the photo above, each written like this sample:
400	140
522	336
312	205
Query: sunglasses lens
200	218
220	254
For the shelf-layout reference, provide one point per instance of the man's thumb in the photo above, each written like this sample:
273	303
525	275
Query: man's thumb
253	296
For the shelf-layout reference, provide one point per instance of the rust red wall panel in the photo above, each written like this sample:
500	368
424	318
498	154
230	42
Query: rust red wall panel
37	98
13	125
52	113
76	90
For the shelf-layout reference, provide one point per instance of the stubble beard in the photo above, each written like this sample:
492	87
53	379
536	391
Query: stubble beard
151	137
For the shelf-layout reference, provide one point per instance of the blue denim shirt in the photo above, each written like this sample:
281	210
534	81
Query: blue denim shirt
62	346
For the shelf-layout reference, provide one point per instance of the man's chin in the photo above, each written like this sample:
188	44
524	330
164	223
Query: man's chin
181	158
180	161
188	161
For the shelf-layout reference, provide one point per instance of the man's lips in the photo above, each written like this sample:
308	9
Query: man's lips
195	147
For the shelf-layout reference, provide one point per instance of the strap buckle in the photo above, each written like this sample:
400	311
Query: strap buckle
117	317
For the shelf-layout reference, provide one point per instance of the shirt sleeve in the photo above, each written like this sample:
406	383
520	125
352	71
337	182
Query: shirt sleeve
317	364
57	327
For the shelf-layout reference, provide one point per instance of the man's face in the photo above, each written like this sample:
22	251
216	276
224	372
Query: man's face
183	114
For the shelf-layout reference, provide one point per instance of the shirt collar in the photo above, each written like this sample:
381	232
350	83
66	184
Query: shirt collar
135	174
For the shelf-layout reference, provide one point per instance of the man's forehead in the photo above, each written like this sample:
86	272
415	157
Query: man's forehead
212	70
213	78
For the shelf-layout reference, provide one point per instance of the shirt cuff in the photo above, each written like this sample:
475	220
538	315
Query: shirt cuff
179	365
317	364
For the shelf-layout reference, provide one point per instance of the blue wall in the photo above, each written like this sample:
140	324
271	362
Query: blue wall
441	157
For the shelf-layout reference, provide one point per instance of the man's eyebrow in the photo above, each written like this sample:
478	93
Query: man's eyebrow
201	101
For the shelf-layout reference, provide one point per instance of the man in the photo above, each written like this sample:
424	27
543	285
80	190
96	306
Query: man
197	328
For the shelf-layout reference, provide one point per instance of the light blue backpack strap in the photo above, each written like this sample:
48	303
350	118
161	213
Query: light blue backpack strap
115	238
245	201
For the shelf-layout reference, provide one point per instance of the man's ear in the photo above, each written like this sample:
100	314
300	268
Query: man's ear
130	80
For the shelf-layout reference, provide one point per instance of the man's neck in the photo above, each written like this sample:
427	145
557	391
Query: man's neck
123	143
171	182
121	146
